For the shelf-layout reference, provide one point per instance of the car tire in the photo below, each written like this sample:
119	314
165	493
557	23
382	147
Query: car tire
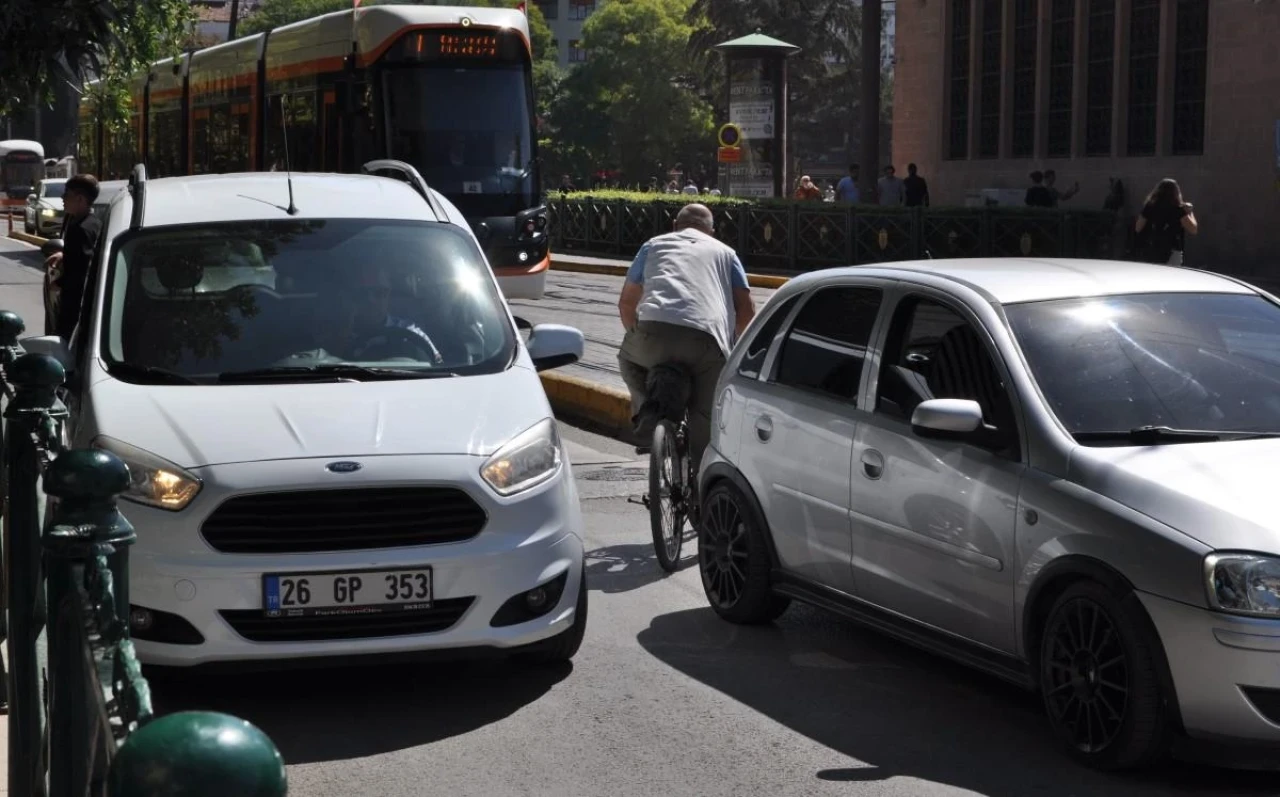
734	561
1099	679
563	646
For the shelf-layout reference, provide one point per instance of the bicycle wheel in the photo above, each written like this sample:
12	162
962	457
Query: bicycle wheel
666	512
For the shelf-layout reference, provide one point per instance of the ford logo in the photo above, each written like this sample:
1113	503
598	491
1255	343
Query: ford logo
343	467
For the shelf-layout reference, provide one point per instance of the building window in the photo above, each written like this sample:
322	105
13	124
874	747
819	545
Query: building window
1024	78
581	9
989	99
1144	69
958	141
577	54
1062	52
1190	69
1101	77
550	9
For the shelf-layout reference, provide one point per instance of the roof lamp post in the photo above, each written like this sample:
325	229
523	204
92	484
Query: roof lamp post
757	72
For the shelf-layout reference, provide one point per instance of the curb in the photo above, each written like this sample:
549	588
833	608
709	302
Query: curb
754	280
28	238
606	408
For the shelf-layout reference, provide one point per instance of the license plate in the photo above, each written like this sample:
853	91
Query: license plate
356	592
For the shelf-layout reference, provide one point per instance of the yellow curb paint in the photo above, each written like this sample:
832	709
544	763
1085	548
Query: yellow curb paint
28	238
754	280
602	405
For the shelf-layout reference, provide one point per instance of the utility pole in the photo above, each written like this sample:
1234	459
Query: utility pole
869	159
235	17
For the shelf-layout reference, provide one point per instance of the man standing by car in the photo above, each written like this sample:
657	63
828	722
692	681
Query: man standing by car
685	301
66	271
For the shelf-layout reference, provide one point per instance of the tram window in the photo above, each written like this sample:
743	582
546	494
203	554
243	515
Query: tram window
166	144
200	141
238	138
331	142
275	136
219	146
303	132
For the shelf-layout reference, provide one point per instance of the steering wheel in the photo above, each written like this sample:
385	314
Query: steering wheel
393	342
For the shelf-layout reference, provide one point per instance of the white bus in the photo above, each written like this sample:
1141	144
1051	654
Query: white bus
21	167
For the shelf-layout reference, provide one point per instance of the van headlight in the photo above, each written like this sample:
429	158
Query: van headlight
532	457
1244	583
152	480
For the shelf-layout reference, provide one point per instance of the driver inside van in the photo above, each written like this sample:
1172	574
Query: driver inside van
366	330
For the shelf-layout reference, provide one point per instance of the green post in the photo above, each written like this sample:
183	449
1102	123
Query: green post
197	754
11	327
35	379
86	548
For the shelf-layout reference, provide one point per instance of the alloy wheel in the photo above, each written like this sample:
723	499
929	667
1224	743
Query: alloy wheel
1086	673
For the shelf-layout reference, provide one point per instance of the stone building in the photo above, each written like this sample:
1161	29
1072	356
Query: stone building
988	90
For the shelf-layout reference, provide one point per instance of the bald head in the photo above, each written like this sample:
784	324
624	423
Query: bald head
697	216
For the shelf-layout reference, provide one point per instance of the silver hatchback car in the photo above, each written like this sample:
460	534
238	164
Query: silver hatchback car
1054	470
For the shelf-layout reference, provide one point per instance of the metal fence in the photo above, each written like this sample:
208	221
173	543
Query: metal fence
803	237
80	715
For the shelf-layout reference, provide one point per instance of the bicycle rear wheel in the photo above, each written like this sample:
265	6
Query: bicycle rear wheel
666	509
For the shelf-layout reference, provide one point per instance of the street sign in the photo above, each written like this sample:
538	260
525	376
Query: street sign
730	136
729	155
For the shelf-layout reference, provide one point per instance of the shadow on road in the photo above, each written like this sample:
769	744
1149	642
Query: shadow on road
623	568
901	711
339	714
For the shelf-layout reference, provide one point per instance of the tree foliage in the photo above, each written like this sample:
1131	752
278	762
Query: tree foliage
43	42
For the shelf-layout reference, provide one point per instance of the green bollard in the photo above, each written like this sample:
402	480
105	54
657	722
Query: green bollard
197	754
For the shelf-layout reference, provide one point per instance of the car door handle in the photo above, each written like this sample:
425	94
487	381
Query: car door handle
764	428
872	463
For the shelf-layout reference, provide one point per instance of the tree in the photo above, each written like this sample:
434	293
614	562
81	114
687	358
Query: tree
634	105
44	43
278	13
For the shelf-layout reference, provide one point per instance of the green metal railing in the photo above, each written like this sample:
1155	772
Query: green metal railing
80	715
794	237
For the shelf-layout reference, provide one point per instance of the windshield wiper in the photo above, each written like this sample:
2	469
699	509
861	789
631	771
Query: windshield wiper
360	373
152	374
1156	435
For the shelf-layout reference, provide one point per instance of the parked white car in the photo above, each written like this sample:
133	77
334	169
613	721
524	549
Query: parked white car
43	214
1058	471
338	441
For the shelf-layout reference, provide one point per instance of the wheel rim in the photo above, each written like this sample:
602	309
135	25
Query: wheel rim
723	545
668	494
1086	676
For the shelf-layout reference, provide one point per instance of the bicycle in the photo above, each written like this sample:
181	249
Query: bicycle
672	497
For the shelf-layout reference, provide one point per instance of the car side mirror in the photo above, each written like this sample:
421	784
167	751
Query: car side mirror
554	345
51	247
52	345
31	199
947	418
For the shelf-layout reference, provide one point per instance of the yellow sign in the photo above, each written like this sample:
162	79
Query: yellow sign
730	135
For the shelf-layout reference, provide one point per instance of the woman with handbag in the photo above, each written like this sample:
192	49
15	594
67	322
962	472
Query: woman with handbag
1163	225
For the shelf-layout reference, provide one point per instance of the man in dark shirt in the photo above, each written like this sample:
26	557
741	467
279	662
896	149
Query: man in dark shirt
68	270
917	190
1037	195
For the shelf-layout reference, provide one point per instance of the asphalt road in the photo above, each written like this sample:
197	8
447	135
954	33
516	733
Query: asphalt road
21	278
590	303
664	698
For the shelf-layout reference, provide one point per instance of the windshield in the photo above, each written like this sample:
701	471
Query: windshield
53	190
201	302
467	129
20	178
1186	361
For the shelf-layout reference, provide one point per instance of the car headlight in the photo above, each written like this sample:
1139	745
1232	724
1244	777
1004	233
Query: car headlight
152	480
531	458
48	213
1244	583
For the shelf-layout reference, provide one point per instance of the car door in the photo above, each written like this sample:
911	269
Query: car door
798	430
933	521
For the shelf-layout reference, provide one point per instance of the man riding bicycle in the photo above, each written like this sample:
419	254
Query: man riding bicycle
684	302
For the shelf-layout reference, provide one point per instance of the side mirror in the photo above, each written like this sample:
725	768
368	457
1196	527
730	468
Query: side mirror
554	345
51	345
946	418
32	199
51	247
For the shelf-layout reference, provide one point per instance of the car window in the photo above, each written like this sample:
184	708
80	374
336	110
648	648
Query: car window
758	346
52	190
204	300
825	348
1184	360
934	352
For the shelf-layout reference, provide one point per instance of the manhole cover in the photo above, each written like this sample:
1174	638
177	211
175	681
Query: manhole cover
615	474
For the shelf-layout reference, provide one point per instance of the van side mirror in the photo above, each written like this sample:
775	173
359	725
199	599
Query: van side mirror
51	247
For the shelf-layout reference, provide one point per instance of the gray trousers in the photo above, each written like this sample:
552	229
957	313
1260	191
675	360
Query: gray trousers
652	343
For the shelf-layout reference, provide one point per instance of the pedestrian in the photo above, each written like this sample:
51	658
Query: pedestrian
1051	177
1161	229
890	187
916	188
67	271
807	190
1038	196
847	188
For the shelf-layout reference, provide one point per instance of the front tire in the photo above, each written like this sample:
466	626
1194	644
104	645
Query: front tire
733	558
1099	681
666	518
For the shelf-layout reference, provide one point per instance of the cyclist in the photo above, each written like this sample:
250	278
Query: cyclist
685	300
